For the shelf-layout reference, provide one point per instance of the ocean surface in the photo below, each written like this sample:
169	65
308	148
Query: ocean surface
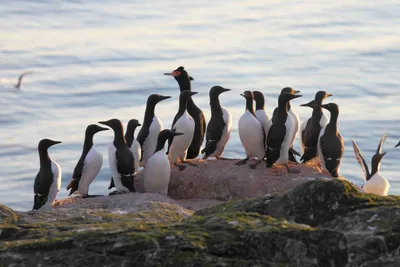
96	60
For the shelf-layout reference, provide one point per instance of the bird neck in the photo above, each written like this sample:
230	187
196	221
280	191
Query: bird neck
119	138
184	84
249	106
182	105
160	143
44	158
332	125
260	104
215	105
88	142
130	135
317	112
375	165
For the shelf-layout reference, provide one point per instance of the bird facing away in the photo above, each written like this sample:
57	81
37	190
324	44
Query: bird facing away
330	143
374	182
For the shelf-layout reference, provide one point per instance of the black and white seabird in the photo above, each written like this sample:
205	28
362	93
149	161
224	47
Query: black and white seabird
48	180
183	79
296	119
280	134
183	123
152	126
310	128
89	164
219	126
251	133
330	143
120	158
375	183
158	170
261	114
132	143
18	84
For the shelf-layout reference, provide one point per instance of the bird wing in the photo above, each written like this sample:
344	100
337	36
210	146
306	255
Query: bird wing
379	149
360	160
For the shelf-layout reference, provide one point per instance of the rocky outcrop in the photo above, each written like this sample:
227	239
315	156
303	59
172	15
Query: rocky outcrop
318	223
223	180
370	223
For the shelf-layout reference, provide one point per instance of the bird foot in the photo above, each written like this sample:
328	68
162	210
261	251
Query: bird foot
180	167
254	165
115	193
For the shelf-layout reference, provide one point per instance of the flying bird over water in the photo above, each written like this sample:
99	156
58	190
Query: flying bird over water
18	85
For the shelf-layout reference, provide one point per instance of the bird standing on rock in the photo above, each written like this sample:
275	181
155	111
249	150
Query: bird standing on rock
158	170
311	128
251	133
183	123
281	133
132	143
120	158
296	121
89	164
152	126
261	115
48	180
330	143
183	79
219	126
375	183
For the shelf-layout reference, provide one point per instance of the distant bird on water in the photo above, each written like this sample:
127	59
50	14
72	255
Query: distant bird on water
375	183
18	85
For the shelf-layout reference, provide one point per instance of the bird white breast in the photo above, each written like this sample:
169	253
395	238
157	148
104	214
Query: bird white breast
137	153
91	168
286	144
226	133
181	143
251	135
265	121
296	123
157	173
377	185
112	160
55	186
150	143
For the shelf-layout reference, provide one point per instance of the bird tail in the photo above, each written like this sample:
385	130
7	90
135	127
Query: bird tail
211	146
73	185
309	154
112	185
272	156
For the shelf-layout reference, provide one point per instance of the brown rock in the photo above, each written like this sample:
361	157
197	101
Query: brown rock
223	180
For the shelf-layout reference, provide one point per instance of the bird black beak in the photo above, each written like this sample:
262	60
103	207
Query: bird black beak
55	143
296	92
225	89
139	124
104	122
169	73
398	144
305	105
328	95
190	77
243	95
164	97
175	133
193	93
99	129
325	106
295	96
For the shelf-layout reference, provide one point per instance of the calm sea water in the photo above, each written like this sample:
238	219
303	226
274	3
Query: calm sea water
96	60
